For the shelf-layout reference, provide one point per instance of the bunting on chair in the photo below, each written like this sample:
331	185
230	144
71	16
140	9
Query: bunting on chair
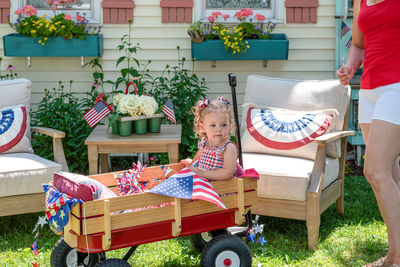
286	129
12	126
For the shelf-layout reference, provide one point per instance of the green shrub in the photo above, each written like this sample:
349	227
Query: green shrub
63	111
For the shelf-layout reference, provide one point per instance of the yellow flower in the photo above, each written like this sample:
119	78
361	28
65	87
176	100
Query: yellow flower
45	38
247	46
234	28
234	52
33	31
246	42
63	26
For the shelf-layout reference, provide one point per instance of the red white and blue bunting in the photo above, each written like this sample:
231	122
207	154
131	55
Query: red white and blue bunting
12	126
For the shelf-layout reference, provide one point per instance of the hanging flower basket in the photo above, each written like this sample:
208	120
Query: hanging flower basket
18	45
276	48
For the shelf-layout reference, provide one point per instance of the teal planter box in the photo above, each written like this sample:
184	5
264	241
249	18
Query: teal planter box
17	45
272	49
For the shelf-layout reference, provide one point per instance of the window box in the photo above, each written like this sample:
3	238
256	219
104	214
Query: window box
17	45
271	49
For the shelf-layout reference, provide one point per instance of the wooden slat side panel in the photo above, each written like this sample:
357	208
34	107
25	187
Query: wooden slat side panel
75	225
201	207
130	219
95	208
282	208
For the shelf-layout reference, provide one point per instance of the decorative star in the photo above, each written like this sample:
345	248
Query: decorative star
42	221
35	264
54	223
258	229
251	237
35	248
261	240
62	214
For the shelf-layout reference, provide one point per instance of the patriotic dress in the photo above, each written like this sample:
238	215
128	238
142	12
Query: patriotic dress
211	158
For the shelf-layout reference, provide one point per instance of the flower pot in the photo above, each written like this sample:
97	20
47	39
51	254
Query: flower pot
125	128
155	125
141	126
115	127
262	49
18	45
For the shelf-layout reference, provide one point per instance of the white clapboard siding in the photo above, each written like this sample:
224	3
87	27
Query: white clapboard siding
311	54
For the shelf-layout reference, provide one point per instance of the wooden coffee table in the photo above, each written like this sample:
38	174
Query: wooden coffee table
102	141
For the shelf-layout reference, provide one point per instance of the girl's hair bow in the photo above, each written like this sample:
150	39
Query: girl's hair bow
204	103
223	100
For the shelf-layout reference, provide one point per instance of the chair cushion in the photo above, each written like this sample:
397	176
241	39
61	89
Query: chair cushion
24	173
286	177
285	132
298	95
13	93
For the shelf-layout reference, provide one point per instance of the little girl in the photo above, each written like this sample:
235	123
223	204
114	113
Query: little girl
216	158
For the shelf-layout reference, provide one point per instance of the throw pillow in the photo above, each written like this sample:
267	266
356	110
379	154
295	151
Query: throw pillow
14	136
81	187
284	132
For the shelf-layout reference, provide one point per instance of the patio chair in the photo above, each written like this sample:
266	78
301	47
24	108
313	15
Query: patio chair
296	182
22	173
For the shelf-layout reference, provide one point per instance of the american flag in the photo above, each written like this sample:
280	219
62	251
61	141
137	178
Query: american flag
57	207
348	44
188	185
168	110
344	28
96	113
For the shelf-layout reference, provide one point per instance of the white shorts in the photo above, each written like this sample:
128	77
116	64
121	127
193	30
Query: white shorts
381	103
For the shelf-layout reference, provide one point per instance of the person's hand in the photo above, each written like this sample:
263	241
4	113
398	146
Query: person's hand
345	73
186	162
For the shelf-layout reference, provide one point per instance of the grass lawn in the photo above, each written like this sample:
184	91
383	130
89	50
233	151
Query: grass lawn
354	239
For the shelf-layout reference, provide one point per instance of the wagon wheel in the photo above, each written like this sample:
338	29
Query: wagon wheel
200	240
63	255
226	250
113	263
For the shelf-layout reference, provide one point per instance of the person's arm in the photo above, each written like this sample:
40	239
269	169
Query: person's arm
355	56
188	162
228	169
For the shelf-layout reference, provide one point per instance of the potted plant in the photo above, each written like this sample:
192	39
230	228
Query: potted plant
250	38
58	36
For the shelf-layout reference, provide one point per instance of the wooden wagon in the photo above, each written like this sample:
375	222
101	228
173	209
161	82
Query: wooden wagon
99	226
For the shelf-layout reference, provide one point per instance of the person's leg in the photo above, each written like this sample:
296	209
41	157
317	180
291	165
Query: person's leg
382	148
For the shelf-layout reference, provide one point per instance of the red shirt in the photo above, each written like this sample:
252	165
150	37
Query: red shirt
380	24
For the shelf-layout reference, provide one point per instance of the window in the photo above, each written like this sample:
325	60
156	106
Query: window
272	9
91	8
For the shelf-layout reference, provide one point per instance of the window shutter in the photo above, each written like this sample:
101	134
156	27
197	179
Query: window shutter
117	11
301	11
176	11
4	10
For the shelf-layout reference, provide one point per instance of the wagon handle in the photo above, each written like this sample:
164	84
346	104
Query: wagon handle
134	85
233	83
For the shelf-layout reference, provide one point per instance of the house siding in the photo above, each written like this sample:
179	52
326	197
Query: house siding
311	54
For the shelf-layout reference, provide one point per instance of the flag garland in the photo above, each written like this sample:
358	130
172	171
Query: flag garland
188	185
98	112
168	110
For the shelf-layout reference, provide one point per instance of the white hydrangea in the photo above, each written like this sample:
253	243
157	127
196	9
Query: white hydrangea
130	105
117	98
148	105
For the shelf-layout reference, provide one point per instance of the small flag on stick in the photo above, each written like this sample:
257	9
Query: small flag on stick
168	110
98	112
344	28
348	44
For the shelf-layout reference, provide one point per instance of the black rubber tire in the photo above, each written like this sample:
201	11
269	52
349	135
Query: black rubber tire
61	256
199	240
113	263
229	246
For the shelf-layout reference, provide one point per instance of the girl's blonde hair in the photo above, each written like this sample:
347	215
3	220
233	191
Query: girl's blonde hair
213	106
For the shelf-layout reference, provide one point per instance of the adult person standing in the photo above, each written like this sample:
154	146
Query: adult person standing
376	45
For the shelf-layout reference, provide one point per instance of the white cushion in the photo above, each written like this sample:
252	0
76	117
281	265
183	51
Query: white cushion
285	132
24	173
13	93
286	177
299	95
